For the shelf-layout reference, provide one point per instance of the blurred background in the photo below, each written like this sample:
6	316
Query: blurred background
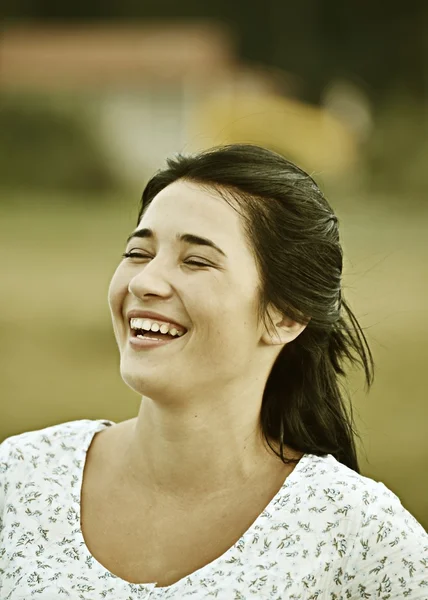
94	96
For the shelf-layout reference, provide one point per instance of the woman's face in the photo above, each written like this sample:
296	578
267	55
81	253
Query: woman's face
215	301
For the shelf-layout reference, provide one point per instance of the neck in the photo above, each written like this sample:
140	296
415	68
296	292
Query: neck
189	453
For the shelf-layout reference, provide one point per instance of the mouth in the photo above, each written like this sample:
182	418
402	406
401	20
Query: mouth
146	340
140	338
154	335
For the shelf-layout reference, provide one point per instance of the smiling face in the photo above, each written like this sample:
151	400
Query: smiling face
215	300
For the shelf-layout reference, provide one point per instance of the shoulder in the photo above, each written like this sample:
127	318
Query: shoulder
342	491
29	450
331	483
382	550
336	482
48	436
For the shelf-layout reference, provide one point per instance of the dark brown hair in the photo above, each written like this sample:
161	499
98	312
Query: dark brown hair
293	233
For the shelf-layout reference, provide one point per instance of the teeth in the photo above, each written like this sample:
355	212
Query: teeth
149	325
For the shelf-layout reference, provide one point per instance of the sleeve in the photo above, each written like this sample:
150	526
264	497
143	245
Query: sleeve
389	559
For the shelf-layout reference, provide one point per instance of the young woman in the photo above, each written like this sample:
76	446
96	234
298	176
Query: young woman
239	477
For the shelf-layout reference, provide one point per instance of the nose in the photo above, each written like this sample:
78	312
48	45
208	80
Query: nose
151	280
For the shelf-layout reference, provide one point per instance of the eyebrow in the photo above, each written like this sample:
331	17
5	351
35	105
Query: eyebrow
188	238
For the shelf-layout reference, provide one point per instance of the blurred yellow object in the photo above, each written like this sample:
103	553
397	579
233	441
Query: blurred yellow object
310	136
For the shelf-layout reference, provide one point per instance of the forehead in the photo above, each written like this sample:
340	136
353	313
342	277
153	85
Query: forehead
185	206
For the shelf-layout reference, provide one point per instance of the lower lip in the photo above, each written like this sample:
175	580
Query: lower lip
140	343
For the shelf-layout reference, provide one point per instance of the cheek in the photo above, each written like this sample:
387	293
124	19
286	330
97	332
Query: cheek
229	318
117	290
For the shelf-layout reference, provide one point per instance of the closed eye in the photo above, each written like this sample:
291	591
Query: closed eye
141	255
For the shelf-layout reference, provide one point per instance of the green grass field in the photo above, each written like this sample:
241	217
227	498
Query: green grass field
59	360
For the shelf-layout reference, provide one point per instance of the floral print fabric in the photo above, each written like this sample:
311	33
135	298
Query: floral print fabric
328	534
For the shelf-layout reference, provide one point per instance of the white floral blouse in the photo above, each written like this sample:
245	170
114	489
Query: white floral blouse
328	534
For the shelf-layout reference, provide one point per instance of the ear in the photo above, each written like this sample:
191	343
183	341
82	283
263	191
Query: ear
283	331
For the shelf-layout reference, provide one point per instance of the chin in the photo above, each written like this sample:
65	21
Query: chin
137	383
141	381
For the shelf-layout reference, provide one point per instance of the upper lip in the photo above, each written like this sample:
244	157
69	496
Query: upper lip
135	313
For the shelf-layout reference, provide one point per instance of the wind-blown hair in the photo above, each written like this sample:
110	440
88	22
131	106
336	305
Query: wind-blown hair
293	234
